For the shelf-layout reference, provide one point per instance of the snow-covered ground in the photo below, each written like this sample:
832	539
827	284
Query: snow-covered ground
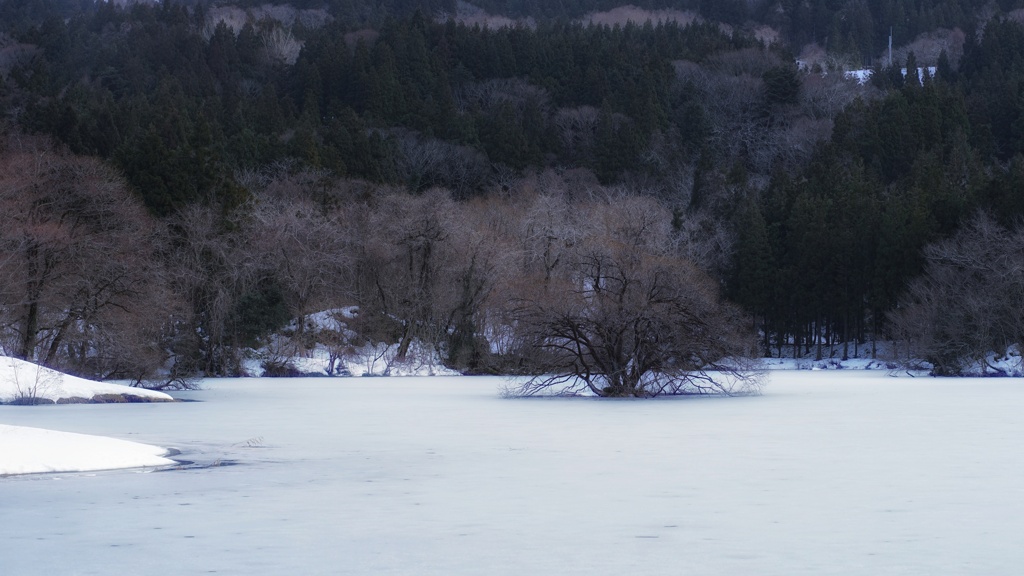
29	450
27	382
863	75
26	450
828	472
348	355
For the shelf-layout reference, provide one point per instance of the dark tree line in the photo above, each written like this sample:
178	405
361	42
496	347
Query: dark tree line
180	102
898	174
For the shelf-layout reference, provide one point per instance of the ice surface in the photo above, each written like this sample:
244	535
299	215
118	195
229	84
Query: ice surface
829	472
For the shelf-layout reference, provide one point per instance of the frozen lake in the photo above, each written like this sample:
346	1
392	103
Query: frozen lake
827	473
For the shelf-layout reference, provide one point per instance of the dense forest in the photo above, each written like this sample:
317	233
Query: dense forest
181	179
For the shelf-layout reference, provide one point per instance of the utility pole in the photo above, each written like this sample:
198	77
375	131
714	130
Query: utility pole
890	46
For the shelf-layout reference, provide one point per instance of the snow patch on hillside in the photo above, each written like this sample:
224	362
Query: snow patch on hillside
624	15
327	346
471	15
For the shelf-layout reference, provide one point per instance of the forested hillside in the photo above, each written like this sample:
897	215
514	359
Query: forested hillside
434	162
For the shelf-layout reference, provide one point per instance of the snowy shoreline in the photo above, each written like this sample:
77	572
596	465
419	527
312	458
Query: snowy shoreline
29	450
23	382
26	450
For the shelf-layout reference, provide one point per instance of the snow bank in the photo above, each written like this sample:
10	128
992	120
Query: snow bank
1008	363
827	364
34	450
25	450
22	381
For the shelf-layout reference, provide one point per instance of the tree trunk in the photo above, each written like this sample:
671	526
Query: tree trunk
403	346
28	337
31	324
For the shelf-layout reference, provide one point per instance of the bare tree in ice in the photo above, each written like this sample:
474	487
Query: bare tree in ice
626	315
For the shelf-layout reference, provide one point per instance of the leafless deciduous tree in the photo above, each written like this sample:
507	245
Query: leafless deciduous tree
210	270
929	45
825	95
306	249
970	301
428	162
287	252
280	45
405	243
13	53
82	286
625	315
491	94
577	128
